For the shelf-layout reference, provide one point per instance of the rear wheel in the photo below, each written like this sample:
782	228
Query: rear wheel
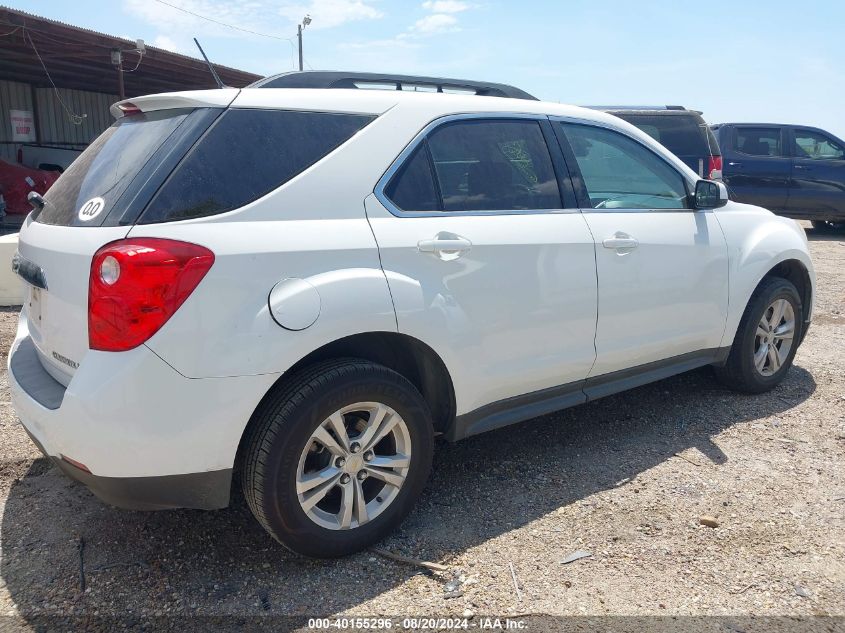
767	338
337	457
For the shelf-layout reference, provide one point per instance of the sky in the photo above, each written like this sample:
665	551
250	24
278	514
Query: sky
737	60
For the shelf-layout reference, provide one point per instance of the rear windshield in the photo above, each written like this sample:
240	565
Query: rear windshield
684	134
87	191
246	154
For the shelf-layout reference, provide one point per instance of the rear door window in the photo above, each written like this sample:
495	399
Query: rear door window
493	166
87	191
413	188
246	154
759	141
478	165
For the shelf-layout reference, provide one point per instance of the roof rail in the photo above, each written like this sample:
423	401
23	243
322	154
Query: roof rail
636	107
337	79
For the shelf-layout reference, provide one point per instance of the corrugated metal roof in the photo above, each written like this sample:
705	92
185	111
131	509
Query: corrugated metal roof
80	59
128	43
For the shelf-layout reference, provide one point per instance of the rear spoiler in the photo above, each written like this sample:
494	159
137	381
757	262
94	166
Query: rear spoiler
221	98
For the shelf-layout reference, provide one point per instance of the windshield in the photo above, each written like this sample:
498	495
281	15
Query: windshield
88	190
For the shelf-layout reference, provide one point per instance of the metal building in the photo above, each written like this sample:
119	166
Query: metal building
57	82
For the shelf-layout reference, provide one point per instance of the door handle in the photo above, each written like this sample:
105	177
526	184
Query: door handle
447	246
802	167
621	242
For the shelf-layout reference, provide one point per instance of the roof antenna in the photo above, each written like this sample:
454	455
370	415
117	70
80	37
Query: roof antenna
220	84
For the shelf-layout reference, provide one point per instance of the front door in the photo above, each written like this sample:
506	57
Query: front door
485	262
817	190
662	267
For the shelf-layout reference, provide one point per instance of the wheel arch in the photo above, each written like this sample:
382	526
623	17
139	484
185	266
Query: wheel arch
763	245
404	354
796	272
791	267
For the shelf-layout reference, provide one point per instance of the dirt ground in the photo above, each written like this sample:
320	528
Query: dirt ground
626	479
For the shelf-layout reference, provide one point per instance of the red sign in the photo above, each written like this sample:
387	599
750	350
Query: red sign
23	126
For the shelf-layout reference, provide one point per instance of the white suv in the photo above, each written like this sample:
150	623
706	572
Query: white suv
306	286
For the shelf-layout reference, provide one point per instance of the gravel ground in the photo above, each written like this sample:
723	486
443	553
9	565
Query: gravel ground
626	478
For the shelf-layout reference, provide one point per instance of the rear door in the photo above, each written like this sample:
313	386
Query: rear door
488	259
662	267
817	188
756	168
91	205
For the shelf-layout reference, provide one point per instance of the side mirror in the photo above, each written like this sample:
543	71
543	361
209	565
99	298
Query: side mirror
710	194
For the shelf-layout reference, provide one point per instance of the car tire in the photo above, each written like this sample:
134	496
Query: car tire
757	338
827	226
294	453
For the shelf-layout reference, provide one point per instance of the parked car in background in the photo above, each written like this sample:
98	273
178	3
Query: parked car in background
16	181
793	170
47	157
398	264
683	132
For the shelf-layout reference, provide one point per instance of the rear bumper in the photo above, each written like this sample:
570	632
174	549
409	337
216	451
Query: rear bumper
150	437
201	491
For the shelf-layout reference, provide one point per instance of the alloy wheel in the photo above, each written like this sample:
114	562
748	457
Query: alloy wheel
353	465
774	337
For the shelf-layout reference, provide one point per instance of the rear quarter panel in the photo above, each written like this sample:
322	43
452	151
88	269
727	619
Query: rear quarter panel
225	328
312	228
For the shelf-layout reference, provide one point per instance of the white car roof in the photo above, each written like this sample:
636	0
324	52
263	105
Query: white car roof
359	101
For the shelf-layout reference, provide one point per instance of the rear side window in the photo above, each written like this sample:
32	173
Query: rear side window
759	141
106	168
682	134
712	142
245	155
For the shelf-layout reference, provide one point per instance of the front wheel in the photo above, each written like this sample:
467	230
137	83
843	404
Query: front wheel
767	338
337	457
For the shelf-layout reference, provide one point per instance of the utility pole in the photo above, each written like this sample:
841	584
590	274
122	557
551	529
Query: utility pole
117	61
299	36
299	28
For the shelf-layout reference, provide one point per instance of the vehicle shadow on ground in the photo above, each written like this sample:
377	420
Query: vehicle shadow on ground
824	235
193	562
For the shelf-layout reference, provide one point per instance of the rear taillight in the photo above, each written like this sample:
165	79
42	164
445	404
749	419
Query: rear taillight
715	165
136	285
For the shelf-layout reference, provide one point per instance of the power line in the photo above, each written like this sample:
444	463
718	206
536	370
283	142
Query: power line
76	119
289	40
230	26
140	59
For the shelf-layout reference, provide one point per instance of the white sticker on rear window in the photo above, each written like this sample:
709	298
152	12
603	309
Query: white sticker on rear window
91	209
